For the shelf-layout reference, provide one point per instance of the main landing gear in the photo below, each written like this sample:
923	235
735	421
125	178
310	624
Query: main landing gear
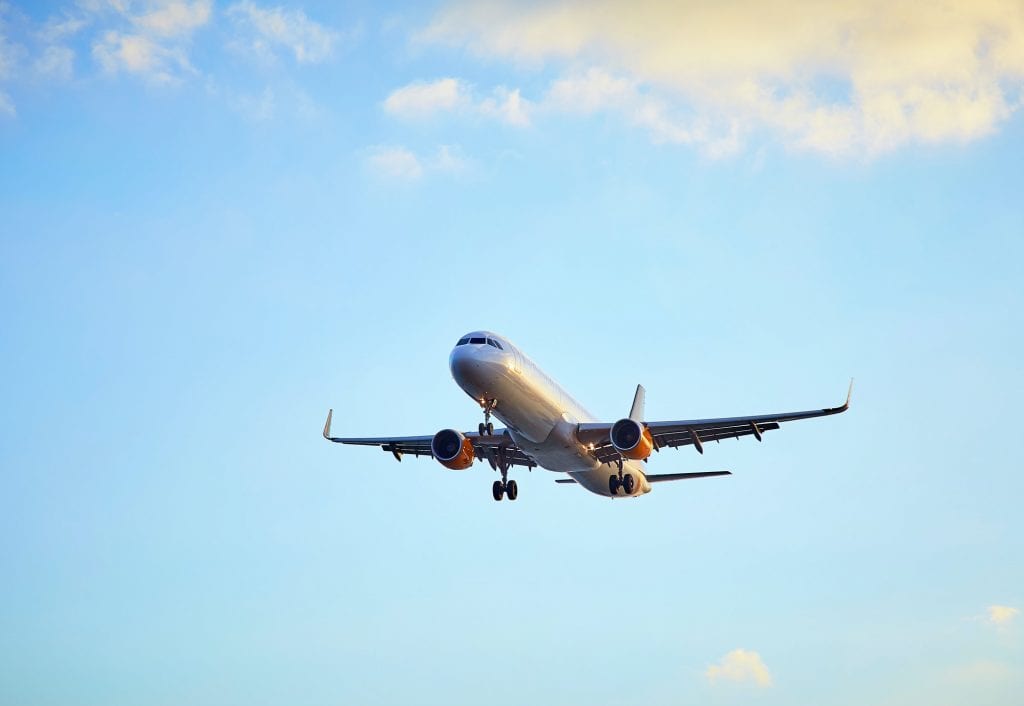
626	482
504	487
486	428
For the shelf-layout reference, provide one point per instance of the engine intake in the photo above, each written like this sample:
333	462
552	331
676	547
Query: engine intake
632	439
452	449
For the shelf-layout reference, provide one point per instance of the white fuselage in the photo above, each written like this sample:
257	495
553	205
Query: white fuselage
541	417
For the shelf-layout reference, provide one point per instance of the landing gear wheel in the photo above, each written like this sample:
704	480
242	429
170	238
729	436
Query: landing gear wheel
512	490
498	489
613	485
489	426
628	483
482	428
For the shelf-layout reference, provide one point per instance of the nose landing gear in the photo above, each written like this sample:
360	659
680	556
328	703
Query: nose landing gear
486	428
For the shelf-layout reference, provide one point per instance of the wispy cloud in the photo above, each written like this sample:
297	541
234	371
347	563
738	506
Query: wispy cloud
278	27
174	18
596	89
1001	615
152	44
394	161
8	60
842	78
742	666
400	163
56	29
55	62
140	54
425	99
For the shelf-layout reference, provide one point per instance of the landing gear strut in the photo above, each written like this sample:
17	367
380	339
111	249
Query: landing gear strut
504	487
486	428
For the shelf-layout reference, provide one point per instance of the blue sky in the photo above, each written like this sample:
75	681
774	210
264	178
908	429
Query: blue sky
220	219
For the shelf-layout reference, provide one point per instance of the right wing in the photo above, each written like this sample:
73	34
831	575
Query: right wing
698	431
486	448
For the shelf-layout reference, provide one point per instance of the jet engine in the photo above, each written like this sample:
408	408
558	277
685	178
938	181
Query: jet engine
452	449
632	439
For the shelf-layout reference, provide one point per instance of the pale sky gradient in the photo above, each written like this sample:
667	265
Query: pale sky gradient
221	218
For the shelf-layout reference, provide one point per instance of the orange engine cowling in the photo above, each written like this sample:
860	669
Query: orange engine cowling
452	449
632	439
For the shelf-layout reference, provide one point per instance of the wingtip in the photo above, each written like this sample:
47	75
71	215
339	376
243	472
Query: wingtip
327	425
849	393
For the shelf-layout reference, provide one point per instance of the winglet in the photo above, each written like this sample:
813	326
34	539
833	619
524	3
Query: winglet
636	412
327	425
844	406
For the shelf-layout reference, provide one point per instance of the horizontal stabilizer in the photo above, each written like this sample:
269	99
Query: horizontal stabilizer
661	478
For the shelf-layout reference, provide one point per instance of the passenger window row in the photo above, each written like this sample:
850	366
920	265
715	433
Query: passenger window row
479	340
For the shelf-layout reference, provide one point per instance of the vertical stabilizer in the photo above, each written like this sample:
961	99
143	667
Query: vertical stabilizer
636	413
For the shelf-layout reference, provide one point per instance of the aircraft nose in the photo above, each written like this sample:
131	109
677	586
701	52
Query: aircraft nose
474	369
466	368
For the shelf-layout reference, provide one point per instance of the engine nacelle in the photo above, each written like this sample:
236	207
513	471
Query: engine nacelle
632	439
452	449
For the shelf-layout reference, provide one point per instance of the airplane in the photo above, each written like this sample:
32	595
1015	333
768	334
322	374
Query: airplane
547	428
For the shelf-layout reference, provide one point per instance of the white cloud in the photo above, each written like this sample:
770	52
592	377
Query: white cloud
845	78
152	44
743	666
597	90
397	162
140	54
425	99
309	41
506	106
1001	615
590	91
175	18
6	106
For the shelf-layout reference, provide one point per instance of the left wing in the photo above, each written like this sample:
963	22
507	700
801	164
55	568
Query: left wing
491	448
699	431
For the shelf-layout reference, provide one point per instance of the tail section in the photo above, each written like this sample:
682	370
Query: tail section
636	412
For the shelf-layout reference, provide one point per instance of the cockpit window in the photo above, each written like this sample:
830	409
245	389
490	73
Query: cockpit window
492	342
462	342
478	340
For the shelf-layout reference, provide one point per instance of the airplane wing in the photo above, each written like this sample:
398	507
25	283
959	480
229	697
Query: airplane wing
697	432
486	448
